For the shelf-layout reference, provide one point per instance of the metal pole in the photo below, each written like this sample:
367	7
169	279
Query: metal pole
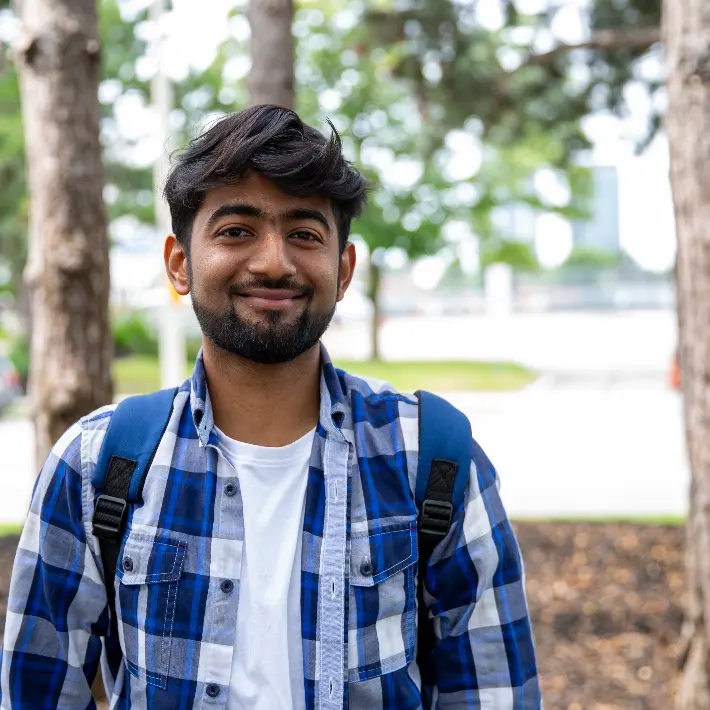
172	347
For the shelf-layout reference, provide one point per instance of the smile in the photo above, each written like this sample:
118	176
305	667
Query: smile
271	299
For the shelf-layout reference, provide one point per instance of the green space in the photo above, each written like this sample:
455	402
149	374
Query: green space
7	529
140	373
439	376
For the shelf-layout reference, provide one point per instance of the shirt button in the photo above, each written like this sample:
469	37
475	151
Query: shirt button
230	489
366	569
127	564
213	690
227	586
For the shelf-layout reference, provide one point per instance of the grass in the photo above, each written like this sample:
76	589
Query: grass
7	529
139	373
446	376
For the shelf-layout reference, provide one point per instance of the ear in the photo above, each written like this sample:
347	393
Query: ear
347	269
176	265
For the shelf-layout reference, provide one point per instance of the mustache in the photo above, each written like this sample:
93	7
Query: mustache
283	284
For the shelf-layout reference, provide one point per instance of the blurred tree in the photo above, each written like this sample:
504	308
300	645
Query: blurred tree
429	169
415	87
509	69
58	55
13	200
271	77
583	257
687	27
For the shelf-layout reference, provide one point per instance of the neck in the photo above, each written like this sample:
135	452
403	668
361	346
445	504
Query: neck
266	405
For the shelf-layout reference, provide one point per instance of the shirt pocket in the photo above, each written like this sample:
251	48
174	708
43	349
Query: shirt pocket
149	571
382	604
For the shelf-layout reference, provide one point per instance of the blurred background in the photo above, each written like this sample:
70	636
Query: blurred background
517	257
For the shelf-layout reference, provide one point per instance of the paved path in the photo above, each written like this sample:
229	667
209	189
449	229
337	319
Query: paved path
600	446
625	342
568	445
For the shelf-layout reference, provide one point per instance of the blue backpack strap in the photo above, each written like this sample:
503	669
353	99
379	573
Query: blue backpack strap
137	425
445	449
444	435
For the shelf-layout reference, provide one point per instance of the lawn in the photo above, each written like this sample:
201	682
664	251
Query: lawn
136	374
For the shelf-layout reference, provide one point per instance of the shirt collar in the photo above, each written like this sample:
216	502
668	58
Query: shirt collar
332	398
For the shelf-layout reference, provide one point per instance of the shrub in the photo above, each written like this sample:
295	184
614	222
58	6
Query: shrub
132	335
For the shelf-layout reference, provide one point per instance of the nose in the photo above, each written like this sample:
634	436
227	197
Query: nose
271	258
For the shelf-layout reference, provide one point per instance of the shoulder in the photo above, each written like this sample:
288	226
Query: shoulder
375	391
93	428
382	406
71	447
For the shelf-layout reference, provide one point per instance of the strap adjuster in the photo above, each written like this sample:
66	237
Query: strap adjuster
109	517
436	517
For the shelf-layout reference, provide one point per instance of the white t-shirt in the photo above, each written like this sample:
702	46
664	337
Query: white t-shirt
267	665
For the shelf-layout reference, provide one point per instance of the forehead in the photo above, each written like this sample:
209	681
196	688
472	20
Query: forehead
256	190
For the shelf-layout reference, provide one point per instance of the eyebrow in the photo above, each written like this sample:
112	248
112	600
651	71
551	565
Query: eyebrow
246	210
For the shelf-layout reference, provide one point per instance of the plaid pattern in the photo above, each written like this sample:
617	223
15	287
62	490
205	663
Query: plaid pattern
358	585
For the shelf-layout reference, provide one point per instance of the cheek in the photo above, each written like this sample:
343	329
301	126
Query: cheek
212	272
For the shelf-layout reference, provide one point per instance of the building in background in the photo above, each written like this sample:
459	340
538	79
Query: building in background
601	231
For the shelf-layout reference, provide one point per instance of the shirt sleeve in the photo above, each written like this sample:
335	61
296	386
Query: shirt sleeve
484	655
57	609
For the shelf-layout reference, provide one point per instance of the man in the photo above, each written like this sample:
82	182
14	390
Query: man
272	561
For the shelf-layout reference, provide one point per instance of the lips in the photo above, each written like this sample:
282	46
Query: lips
271	298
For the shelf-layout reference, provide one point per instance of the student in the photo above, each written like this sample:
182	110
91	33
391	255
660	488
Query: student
272	554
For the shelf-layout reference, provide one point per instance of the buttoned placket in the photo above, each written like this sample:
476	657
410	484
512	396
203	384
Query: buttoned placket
331	600
226	595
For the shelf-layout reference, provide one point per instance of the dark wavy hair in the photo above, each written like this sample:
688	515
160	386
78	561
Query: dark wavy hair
274	142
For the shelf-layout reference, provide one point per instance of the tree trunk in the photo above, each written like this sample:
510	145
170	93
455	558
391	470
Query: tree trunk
68	264
687	37
373	292
271	77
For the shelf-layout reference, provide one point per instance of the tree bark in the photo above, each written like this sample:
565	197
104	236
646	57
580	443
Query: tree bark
271	79
686	33
373	292
68	264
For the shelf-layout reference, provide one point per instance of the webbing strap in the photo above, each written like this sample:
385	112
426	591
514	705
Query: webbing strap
445	446
137	425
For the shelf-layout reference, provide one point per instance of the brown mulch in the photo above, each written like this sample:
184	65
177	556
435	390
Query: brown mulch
606	601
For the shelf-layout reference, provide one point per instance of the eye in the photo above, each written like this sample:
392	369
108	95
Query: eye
306	236
233	232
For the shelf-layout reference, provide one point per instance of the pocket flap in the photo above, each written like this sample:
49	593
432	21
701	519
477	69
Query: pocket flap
150	560
375	557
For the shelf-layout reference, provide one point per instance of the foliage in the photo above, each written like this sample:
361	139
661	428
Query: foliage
411	85
20	357
133	335
582	257
519	255
516	77
13	195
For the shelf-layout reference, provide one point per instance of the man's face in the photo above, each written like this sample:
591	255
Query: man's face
265	270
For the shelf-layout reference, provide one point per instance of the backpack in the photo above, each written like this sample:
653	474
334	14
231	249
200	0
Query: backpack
138	424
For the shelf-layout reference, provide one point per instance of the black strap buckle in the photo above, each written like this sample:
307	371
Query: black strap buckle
436	517
109	517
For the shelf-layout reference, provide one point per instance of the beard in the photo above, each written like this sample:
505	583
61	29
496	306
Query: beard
271	340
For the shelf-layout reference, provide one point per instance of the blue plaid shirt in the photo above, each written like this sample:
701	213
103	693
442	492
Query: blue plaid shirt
358	584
